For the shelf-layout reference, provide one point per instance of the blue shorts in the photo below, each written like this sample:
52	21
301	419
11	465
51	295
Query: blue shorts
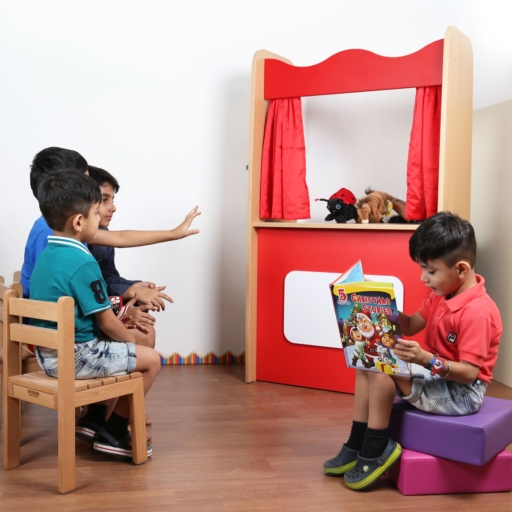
437	395
96	358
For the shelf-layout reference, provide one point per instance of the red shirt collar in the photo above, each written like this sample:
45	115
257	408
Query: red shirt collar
465	297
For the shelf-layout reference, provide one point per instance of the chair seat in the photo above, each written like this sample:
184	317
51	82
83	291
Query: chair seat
39	388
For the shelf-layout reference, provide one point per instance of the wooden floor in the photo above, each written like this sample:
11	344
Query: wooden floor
219	445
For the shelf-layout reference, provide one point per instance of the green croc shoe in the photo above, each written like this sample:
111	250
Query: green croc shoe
344	461
367	471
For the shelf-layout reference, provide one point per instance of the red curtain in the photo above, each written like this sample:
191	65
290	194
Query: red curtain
423	161
284	193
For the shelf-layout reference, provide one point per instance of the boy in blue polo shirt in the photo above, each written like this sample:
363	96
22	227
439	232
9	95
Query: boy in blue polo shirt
70	201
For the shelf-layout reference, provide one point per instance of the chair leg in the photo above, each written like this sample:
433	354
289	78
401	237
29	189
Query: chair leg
1	395
138	425
66	441
2	399
12	432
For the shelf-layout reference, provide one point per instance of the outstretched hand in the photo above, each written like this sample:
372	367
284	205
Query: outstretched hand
183	230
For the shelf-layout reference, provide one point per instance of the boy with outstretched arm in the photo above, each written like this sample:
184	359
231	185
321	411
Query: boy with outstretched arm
54	159
147	293
70	202
450	375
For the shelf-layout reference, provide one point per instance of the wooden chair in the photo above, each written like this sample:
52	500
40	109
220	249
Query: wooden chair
28	359
64	393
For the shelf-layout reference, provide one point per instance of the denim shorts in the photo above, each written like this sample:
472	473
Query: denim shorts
96	358
437	395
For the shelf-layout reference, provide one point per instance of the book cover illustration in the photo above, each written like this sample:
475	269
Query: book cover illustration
368	322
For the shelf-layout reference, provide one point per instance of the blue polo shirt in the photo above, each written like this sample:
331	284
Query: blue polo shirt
36	243
66	267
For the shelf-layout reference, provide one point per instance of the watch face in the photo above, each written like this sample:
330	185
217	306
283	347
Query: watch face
116	303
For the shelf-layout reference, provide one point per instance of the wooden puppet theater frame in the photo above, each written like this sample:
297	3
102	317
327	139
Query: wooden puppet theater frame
277	248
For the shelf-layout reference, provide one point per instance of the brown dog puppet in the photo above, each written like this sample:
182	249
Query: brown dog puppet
375	205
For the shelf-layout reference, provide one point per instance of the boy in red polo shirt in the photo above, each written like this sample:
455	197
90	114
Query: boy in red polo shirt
450	375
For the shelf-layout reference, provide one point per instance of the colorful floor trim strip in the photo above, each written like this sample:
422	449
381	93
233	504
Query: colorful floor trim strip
210	358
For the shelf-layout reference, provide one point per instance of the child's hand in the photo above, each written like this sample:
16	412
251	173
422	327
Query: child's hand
183	229
153	297
137	316
409	351
145	284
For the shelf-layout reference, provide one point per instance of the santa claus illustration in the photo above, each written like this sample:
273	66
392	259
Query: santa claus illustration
366	328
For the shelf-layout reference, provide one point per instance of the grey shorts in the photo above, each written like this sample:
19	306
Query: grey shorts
96	358
437	395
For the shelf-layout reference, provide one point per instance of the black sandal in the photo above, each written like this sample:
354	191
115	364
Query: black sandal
108	444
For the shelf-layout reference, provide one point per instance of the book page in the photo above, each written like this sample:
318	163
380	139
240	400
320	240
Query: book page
352	275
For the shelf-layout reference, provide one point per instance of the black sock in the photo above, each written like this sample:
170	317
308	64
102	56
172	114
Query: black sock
117	426
356	438
375	442
97	413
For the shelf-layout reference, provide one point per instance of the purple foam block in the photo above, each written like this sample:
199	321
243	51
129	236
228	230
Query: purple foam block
473	439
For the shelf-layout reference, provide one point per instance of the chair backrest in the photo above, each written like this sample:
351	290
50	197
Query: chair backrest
16	285
3	289
61	339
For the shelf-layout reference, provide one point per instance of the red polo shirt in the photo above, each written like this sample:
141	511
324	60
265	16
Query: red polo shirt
465	328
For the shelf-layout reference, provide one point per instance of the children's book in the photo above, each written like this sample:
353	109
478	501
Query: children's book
368	322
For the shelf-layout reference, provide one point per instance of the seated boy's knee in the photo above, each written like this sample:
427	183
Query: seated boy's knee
145	339
379	376
156	362
151	337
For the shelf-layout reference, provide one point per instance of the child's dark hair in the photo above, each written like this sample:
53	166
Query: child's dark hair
444	236
54	159
65	193
100	176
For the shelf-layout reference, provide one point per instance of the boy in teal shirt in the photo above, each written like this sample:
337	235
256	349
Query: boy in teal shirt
70	201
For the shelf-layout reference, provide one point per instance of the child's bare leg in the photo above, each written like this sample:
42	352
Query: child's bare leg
111	404
114	435
145	339
148	363
361	400
381	394
346	458
404	385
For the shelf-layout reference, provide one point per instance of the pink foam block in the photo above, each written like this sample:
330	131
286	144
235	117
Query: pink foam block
418	473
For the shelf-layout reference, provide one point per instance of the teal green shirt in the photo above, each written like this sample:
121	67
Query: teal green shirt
66	267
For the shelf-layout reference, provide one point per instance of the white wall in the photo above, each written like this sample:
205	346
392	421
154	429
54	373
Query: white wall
490	215
157	92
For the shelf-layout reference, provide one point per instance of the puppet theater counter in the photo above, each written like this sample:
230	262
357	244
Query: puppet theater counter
284	255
